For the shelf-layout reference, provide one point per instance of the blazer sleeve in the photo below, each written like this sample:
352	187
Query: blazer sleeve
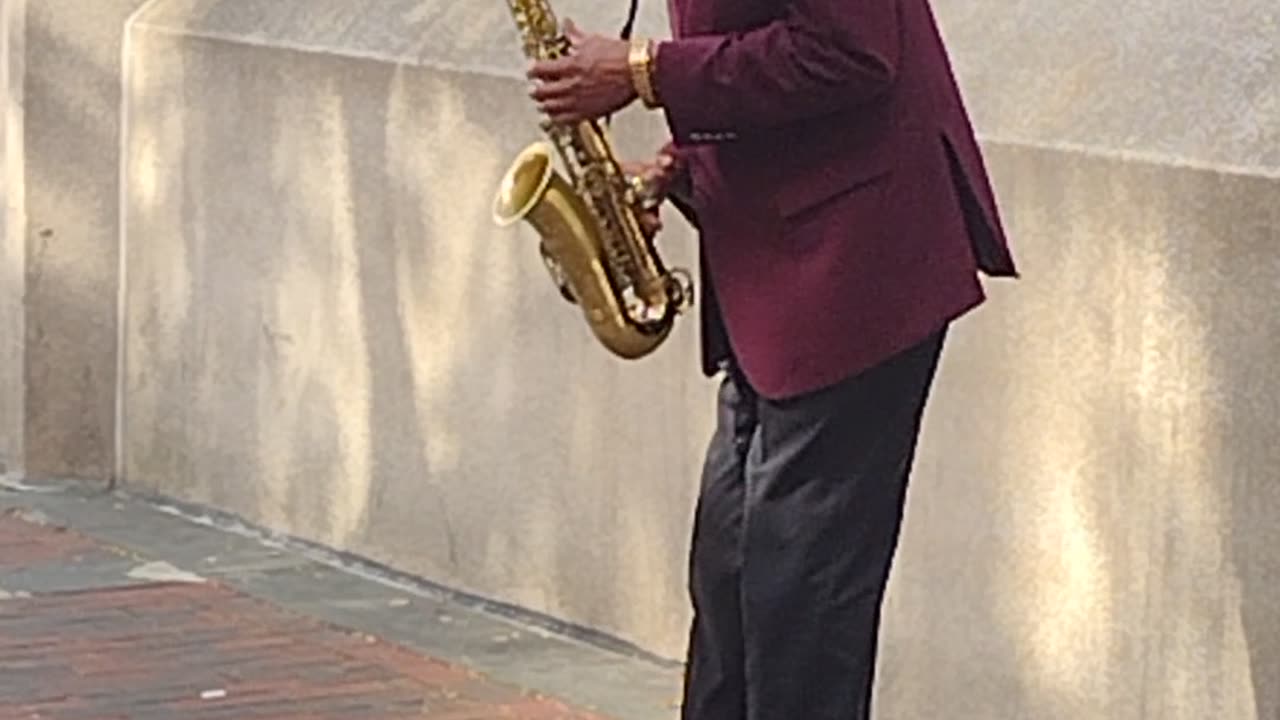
819	57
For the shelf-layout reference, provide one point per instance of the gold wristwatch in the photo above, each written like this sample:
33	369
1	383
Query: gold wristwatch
641	62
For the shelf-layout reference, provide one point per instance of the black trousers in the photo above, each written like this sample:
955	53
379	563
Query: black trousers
796	528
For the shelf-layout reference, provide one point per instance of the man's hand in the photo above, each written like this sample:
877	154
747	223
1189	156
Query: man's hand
594	80
658	175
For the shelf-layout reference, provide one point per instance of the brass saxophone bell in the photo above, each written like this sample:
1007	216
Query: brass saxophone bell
523	185
573	250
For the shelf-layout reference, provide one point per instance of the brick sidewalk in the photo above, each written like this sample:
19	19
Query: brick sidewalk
203	650
23	544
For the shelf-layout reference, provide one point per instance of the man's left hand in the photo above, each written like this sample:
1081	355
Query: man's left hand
594	80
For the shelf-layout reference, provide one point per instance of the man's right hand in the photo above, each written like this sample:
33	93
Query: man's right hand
658	175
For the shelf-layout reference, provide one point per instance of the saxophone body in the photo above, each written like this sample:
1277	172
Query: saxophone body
588	219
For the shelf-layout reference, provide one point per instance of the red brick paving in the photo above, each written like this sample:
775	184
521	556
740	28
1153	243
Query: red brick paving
23	544
151	651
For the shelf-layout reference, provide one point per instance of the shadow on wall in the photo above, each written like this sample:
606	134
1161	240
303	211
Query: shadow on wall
71	106
1242	348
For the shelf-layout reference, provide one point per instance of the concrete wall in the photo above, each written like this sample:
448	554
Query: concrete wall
327	333
323	332
72	139
12	235
1092	531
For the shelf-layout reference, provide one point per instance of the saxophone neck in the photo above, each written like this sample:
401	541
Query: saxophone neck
540	29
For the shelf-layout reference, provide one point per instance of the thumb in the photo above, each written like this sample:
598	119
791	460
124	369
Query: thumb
666	167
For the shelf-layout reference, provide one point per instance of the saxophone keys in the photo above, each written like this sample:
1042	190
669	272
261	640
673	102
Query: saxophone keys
643	194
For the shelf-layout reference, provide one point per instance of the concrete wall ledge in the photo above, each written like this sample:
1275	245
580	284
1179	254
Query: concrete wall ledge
1117	85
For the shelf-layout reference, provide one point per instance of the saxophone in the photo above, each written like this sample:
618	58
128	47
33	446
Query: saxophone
592	241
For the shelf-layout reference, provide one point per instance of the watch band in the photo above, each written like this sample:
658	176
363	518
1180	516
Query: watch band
641	62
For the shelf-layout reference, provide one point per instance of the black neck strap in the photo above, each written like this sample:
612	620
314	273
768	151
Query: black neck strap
631	20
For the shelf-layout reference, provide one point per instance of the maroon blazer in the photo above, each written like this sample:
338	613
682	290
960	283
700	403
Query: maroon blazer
842	199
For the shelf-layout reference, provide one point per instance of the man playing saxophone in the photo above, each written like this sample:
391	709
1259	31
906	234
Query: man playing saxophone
825	154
